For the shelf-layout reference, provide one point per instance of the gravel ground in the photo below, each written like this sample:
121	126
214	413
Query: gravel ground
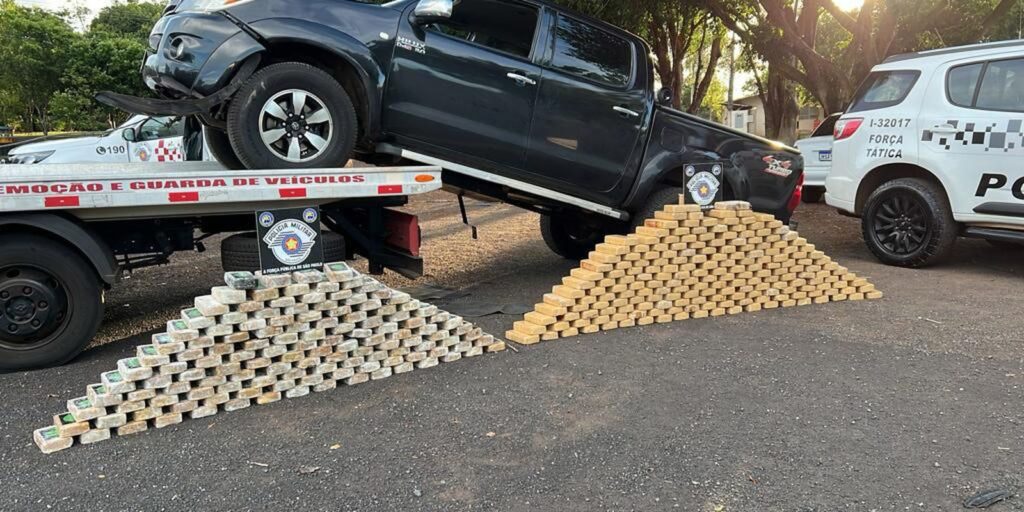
909	403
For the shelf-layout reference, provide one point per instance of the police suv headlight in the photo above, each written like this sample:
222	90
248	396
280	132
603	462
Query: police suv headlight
29	158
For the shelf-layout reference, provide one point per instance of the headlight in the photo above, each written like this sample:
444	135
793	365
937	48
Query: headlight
29	158
208	5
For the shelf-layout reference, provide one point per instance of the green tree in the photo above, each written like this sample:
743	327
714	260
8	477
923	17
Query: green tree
130	19
98	62
789	35
33	52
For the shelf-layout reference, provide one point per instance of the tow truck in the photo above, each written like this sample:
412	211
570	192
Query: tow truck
68	232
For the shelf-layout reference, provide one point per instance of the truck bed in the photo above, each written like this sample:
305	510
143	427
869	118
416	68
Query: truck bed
146	190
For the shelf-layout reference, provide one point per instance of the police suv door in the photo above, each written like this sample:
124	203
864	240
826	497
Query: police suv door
973	133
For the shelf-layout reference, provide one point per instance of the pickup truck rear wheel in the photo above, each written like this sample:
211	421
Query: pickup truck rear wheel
655	203
569	237
50	303
292	115
908	223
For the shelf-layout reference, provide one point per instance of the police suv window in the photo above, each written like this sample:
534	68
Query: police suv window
500	25
962	84
1002	87
883	89
590	52
160	128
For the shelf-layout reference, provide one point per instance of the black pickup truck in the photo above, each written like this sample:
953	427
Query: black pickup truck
519	100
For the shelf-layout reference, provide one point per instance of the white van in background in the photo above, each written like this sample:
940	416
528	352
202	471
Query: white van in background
140	139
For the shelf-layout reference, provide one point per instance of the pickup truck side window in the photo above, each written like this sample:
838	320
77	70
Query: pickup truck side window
592	53
501	25
1002	86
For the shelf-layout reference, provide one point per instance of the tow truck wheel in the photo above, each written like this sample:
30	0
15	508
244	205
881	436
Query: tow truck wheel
220	147
50	303
292	115
908	223
568	236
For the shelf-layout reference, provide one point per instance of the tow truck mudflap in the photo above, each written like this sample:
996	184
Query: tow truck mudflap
161	107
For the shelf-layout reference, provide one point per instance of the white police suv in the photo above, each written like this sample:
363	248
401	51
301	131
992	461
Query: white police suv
140	139
932	148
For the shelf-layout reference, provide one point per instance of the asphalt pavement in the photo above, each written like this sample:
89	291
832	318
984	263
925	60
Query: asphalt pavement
912	402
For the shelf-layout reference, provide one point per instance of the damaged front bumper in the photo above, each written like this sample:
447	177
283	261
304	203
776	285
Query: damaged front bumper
180	107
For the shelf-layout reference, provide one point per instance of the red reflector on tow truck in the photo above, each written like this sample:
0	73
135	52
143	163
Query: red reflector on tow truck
389	189
60	201
292	192
403	231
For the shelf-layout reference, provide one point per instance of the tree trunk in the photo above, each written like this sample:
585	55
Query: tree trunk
780	109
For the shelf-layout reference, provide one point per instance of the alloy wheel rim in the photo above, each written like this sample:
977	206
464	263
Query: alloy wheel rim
33	305
296	126
901	225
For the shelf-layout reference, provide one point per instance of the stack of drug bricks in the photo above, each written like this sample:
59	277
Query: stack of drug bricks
263	338
686	264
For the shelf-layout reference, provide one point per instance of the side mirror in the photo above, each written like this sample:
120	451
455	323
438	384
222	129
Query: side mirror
432	11
129	135
665	96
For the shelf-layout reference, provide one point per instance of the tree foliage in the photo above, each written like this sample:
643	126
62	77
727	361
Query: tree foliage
789	35
50	73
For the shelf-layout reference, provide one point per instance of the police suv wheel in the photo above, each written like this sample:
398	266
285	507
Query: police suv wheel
50	303
292	115
908	223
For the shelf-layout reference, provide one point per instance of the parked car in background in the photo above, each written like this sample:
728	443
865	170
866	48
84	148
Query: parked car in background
932	148
817	151
6	134
140	139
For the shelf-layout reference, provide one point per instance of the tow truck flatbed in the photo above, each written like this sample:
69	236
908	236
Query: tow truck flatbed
68	232
143	190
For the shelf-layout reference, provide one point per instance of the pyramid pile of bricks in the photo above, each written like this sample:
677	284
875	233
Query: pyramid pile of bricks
263	338
685	263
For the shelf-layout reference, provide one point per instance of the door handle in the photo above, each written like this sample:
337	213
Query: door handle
626	112
523	80
944	128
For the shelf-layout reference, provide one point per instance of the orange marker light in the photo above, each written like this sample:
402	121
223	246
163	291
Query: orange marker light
424	178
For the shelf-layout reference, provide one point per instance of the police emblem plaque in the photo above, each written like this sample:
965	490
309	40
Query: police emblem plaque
289	240
704	184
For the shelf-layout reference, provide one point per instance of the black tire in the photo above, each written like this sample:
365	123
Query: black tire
247	121
44	281
220	147
240	253
813	195
655	203
908	223
570	236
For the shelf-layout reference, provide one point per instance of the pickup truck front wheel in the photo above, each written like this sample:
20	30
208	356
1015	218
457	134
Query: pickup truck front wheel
568	236
50	303
292	116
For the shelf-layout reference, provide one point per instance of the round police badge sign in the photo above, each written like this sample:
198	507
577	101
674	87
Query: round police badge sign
703	188
310	215
266	219
290	241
